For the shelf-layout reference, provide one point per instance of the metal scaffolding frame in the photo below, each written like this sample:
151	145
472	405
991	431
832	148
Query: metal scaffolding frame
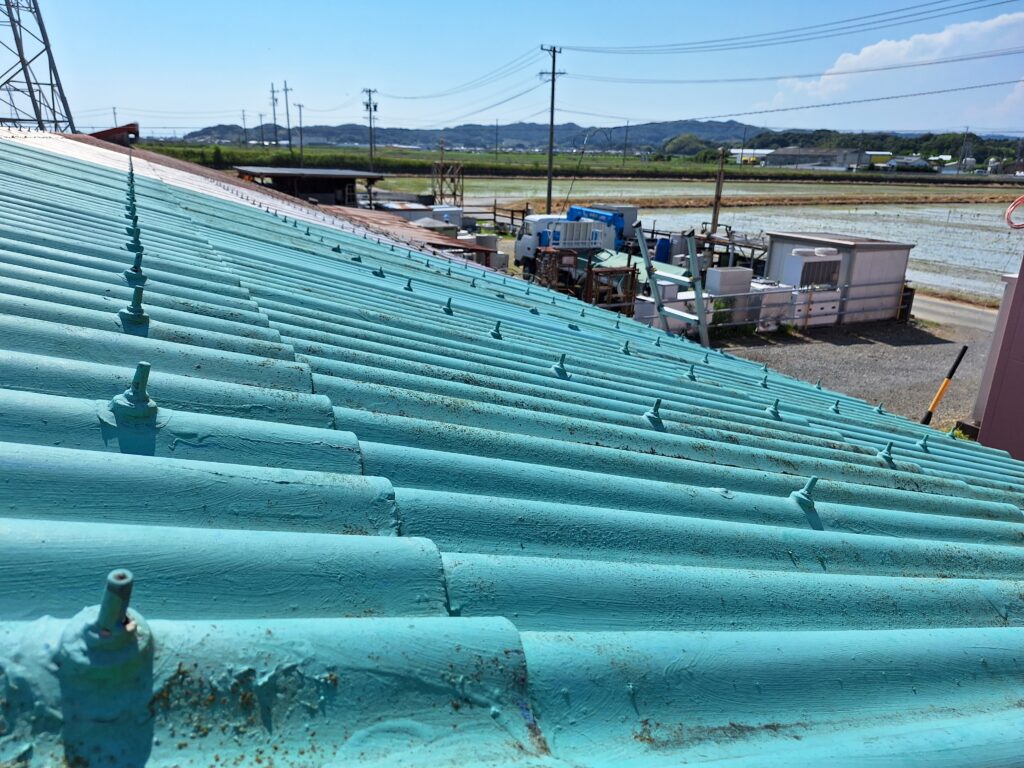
31	93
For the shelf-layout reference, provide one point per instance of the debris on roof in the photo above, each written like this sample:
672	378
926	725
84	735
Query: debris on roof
278	489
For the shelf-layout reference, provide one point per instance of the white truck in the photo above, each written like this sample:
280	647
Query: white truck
539	231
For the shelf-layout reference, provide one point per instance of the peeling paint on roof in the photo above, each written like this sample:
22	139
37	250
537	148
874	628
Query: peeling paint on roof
370	505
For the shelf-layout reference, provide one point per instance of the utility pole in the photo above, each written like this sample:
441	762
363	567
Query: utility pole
244	132
554	51
720	179
371	108
273	110
625	145
262	142
495	139
300	135
115	116
288	118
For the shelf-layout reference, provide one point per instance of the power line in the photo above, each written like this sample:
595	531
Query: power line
516	65
832	73
842	27
818	106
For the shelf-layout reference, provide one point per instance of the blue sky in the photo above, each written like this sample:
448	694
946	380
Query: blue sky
174	66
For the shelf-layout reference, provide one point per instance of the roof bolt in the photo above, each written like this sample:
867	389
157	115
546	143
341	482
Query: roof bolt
337	248
583	312
773	410
448	308
707	359
135	401
136	306
472	283
408	284
357	259
886	453
616	319
113	613
449	271
691	374
502	296
817	384
764	381
625	347
559	368
496	333
527	289
835	407
805	501
765	367
573	327
307	231
879	408
295	224
534	311
923	443
657	341
654	416
378	272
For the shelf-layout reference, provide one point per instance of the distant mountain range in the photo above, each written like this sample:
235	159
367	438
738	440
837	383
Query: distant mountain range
525	136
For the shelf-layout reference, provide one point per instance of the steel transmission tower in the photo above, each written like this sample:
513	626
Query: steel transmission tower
30	90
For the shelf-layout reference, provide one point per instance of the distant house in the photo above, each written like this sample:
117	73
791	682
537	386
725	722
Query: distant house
801	157
908	163
877	157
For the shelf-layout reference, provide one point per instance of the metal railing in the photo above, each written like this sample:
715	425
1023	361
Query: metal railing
734	310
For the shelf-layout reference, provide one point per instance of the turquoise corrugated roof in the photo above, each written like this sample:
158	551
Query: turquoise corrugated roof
382	507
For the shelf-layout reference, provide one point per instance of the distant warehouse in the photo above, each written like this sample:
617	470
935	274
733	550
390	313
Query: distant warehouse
800	157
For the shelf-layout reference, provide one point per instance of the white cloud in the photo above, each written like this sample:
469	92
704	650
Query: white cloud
1002	31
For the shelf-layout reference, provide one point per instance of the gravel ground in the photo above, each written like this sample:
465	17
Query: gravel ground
899	365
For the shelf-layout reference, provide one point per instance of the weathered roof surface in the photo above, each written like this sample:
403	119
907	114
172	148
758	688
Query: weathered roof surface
386	509
864	243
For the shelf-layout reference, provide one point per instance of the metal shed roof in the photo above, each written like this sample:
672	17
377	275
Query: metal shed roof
384	508
832	238
307	173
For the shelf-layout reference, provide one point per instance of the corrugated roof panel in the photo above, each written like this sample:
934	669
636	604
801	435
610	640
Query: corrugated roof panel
381	506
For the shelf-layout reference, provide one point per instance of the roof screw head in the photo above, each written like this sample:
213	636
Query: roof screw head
336	249
472	283
448	308
559	368
625	347
307	231
764	381
378	272
583	312
449	271
805	500
113	614
817	384
357	258
657	341
534	311
773	410
496	333
408	284
691	374
923	443
295	224
135	307
886	453
765	367
879	408
527	289
654	416
707	359
835	407
573	327
135	402
616	319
